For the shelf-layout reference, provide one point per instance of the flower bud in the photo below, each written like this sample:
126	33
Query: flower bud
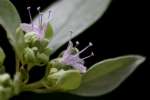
42	58
41	44
29	55
44	43
56	63
64	80
30	38
35	49
5	80
47	51
6	90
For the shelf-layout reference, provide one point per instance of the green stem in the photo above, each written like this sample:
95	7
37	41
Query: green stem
17	64
33	86
43	91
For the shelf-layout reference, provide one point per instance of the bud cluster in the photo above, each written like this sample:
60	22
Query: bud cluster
63	73
36	52
6	87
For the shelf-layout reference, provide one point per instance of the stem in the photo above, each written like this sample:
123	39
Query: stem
39	87
17	64
33	86
42	91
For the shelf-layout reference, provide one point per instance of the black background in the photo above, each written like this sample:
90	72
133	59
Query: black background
123	29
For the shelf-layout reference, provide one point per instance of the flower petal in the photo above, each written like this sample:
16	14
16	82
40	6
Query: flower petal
29	28
80	67
67	52
26	27
44	27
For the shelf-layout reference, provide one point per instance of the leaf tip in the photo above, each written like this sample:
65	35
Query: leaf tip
139	59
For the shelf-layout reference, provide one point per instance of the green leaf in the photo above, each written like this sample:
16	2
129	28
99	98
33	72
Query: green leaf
72	15
49	32
10	21
20	44
107	75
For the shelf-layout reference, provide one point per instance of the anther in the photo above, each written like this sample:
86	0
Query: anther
77	43
28	8
39	8
90	44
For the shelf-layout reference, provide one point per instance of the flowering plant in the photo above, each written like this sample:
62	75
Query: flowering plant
34	43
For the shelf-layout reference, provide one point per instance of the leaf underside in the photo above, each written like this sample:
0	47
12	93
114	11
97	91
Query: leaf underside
107	75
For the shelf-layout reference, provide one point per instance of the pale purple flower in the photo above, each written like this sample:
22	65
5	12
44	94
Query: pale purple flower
72	58
40	29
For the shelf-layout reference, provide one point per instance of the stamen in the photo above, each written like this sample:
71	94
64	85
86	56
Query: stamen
41	15
41	19
38	9
92	54
70	32
29	8
90	44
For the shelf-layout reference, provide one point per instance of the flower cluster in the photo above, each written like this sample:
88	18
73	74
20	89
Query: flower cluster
34	37
36	52
60	72
67	68
6	87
